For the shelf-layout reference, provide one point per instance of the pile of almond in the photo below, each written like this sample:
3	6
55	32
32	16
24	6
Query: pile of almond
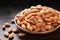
38	18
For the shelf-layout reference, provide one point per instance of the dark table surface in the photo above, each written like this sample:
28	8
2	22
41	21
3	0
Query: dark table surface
8	12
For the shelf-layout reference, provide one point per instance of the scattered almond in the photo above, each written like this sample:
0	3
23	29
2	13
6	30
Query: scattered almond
21	34
3	27
7	24
14	30
11	35
9	30
12	20
6	33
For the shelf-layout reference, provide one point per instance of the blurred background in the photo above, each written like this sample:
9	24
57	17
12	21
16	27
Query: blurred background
28	3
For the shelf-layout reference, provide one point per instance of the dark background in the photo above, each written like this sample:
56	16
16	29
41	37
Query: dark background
9	8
